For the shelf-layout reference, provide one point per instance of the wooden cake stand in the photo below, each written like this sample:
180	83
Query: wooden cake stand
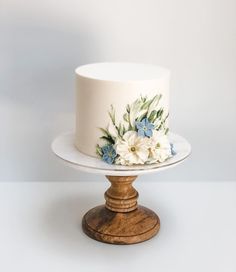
121	220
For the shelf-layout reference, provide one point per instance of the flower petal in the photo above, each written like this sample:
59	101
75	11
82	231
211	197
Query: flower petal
150	126
148	133
143	154
128	135
141	133
139	125
144	121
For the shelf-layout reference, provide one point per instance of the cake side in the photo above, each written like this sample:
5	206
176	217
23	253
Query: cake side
123	122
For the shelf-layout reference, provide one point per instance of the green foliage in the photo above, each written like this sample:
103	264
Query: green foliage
162	123
152	117
99	150
108	139
105	132
112	115
141	108
144	115
121	130
126	117
128	108
160	113
146	105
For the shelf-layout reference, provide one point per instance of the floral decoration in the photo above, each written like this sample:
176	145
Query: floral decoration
140	138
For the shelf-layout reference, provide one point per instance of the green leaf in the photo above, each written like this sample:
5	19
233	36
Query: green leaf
145	105
163	122
166	117
126	117
105	132
167	130
130	127
152	116
124	130
109	139
160	112
112	115
144	98
99	151
128	108
142	116
120	130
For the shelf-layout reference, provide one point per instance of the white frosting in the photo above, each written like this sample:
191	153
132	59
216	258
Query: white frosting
100	85
115	71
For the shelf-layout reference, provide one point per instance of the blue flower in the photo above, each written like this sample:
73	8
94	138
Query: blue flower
173	152
109	154
144	128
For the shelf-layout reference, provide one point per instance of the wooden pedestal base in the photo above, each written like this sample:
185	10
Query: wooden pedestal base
121	220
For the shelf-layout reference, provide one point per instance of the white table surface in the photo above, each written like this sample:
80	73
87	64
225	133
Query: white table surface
40	228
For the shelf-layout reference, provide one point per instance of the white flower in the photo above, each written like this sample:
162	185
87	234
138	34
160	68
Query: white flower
112	130
121	161
159	147
132	149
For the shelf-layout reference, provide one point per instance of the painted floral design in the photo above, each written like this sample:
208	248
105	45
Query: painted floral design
144	128
132	149
141	137
109	153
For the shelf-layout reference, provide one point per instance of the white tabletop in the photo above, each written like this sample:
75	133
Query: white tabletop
40	228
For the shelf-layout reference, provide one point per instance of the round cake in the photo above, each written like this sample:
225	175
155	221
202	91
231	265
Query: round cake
122	112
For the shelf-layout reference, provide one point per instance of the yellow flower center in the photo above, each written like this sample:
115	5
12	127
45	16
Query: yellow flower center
133	149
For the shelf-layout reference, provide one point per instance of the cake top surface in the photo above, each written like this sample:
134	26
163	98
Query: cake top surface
115	71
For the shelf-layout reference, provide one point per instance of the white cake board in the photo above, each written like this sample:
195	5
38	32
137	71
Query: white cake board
63	146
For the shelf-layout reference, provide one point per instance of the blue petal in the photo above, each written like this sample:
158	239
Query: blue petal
148	133
141	133
110	148
113	154
139	125
105	148
105	157
110	160
150	126
173	152
144	122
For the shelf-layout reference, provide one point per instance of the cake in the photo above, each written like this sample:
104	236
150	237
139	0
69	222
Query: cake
122	112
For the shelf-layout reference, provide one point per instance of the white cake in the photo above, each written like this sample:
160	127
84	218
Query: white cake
122	112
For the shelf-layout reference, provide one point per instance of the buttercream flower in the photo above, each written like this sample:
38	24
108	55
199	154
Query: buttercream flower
132	148
144	128
121	161
109	154
159	147
173	152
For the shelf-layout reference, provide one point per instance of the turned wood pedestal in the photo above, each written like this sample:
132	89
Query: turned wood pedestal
121	220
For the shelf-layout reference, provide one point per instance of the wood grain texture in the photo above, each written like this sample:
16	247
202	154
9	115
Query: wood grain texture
121	220
121	196
120	228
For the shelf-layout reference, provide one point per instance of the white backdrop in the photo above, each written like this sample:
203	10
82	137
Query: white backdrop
42	42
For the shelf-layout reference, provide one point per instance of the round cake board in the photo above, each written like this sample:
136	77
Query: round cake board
121	220
63	146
